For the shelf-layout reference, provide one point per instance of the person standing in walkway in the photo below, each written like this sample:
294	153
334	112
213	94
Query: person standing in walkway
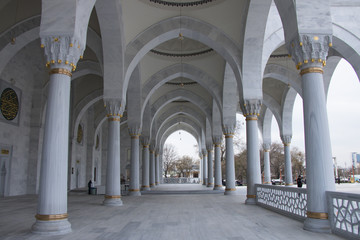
89	186
299	181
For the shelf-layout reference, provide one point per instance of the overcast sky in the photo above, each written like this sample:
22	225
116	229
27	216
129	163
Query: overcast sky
343	105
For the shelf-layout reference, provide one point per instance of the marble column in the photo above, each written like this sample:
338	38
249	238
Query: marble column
217	163
267	171
134	188
52	217
229	158
145	165
288	166
204	153
113	187
157	168
310	52
152	168
210	182
251	110
201	169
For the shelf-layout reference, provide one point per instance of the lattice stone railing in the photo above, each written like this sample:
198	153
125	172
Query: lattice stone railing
289	201
344	214
181	180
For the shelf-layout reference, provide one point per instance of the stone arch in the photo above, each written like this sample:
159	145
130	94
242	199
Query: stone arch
191	28
265	125
177	95
175	71
230	97
173	121
287	111
274	107
284	75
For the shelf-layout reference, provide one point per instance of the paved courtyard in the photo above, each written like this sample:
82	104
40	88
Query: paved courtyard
169	212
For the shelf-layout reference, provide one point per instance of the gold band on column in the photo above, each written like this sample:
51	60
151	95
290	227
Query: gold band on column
135	136
217	145
112	119
134	190
60	71
230	189
218	185
317	215
251	196
210	184
266	182
151	184
145	186
51	217
251	118
230	135
287	144
266	150
311	70
112	196
146	146
288	184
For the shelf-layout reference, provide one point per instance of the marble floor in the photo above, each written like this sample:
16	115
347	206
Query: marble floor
164	214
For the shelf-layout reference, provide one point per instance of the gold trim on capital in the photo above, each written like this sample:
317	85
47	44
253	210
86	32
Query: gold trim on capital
266	150
230	189
135	136
60	71
112	119
230	135
51	217
311	70
317	215
251	118
287	144
146	146
217	145
112	197
134	190
251	196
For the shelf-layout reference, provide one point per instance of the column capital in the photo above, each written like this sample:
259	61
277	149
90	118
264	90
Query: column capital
113	107
217	141
229	130
251	108
266	147
204	152
145	141
64	50
134	132
286	139
209	146
310	50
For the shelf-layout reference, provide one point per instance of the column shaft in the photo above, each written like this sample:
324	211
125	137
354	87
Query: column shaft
319	169
157	169
288	165
134	188
152	169
267	172
230	165
113	187
253	158
205	169
145	169
218	179
51	217
210	170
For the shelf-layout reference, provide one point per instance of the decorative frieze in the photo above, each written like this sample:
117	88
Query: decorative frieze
251	108
113	107
286	139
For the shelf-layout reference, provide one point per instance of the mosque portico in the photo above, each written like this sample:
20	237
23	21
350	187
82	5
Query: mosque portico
91	90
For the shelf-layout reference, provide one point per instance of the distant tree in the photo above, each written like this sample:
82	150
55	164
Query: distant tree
277	159
184	166
241	165
169	159
297	162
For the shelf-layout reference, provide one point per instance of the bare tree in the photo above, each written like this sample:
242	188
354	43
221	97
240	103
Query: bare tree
184	166
169	159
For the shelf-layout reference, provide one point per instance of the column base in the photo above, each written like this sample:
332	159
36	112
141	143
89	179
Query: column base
218	187
152	186
317	225
210	185
250	199
134	192
112	201
230	191
145	188
51	228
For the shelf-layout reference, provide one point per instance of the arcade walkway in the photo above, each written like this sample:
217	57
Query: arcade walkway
160	215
